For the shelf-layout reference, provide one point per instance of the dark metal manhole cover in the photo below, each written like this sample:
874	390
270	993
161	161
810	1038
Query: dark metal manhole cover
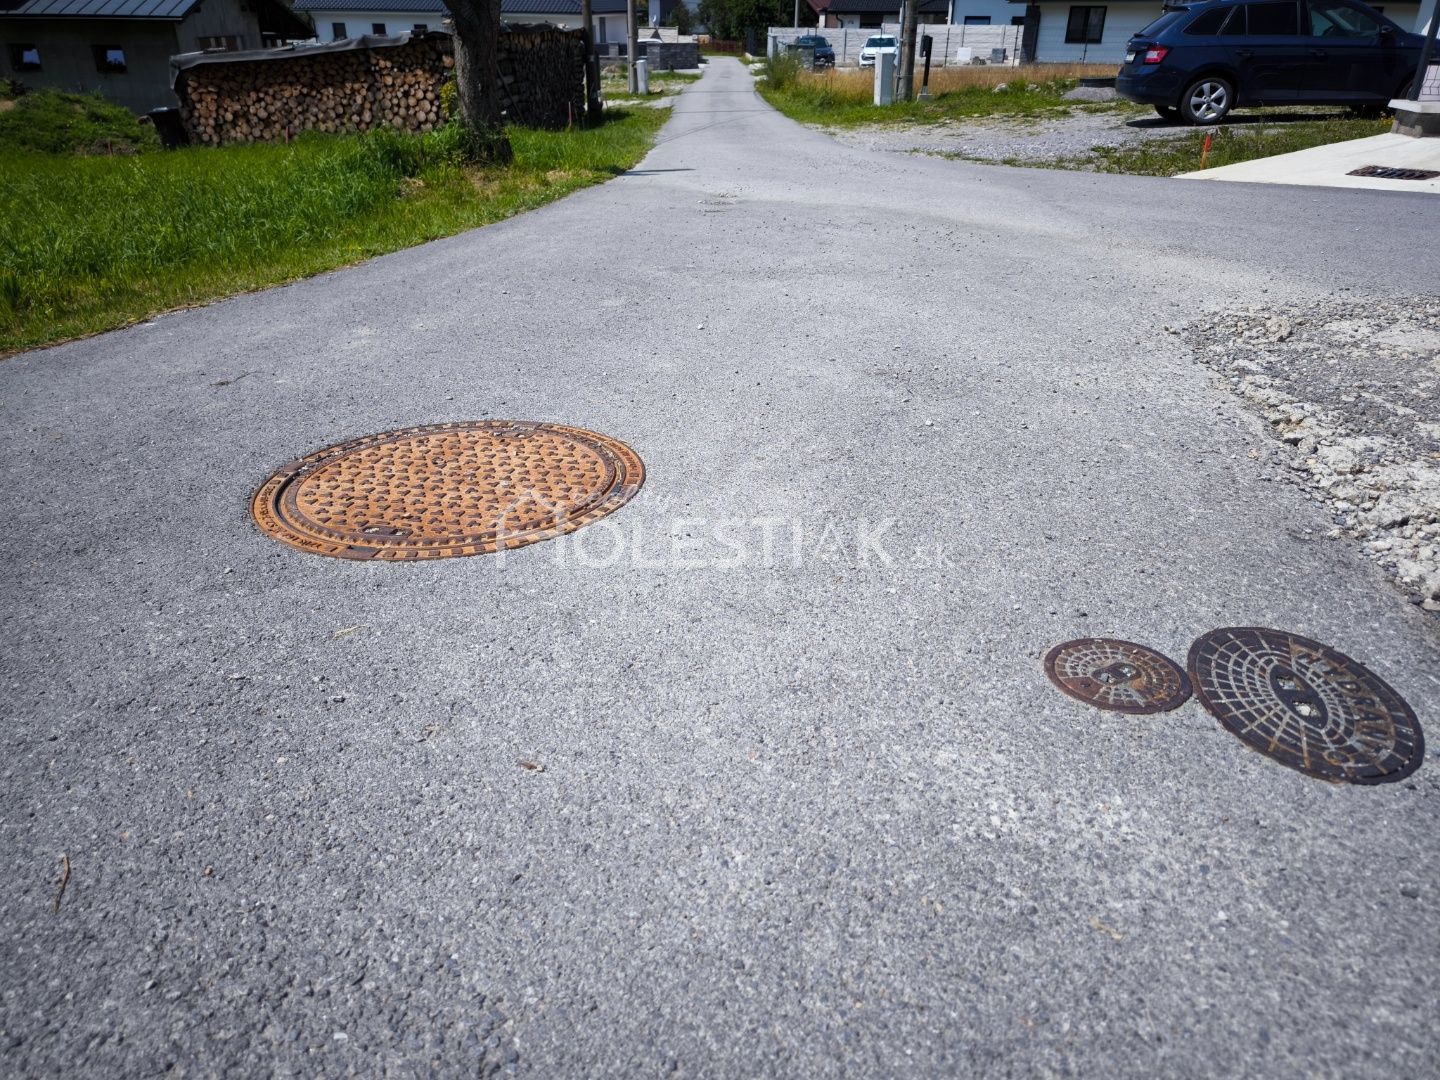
1306	705
1119	675
447	489
1385	172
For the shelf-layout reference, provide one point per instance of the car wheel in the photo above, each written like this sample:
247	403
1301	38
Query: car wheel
1168	112
1207	100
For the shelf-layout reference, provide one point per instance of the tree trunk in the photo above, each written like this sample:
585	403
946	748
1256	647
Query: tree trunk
592	66
477	79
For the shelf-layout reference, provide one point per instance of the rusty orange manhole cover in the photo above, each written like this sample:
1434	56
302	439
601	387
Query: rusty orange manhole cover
1118	675
447	489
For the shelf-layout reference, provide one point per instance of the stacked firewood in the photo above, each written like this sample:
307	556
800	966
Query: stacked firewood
273	99
542	84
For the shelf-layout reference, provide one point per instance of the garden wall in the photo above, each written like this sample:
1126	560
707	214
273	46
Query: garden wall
949	41
368	82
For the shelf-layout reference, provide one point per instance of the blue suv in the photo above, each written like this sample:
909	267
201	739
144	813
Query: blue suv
1196	62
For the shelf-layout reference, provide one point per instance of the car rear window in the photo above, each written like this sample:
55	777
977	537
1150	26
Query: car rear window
1170	18
1273	20
1208	22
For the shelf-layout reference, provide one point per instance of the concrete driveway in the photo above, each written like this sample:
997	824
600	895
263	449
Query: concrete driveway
811	814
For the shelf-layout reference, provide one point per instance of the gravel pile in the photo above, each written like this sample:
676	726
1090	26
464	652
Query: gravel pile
1354	387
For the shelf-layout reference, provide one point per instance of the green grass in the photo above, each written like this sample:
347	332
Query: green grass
614	83
845	97
92	243
51	122
1230	144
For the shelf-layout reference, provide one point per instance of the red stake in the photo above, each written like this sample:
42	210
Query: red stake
1205	150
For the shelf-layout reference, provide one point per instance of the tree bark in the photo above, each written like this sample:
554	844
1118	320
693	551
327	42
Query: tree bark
592	66
905	90
477	79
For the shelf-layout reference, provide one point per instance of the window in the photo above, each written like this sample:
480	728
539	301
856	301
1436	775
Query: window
1273	20
1331	19
1208	22
377	28
24	58
421	27
337	30
871	20
977	20
1170	18
226	43
1236	26
1086	26
109	58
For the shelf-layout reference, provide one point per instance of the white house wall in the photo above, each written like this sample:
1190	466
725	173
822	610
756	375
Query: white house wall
1121	23
1123	20
999	12
358	23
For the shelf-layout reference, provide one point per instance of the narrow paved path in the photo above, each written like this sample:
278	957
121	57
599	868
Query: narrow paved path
794	820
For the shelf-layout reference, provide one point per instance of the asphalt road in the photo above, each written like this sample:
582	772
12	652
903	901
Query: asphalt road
804	816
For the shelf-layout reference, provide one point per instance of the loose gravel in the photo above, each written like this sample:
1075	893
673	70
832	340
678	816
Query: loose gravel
1040	140
1354	388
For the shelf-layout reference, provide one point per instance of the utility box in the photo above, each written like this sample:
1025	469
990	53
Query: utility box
642	77
885	77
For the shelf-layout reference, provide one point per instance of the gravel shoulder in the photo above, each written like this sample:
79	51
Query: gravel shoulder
1353	391
1016	140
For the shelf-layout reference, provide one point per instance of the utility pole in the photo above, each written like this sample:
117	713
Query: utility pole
906	89
592	66
633	45
797	14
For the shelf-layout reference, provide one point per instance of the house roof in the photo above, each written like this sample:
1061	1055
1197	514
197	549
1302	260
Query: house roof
533	8
97	9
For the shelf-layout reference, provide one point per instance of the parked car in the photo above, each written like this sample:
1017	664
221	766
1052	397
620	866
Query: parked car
1198	61
877	43
824	53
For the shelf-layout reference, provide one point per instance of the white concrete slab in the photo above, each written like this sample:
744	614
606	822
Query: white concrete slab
1329	166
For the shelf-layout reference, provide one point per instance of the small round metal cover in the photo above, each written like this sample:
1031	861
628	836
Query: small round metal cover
1306	705
446	490
1117	675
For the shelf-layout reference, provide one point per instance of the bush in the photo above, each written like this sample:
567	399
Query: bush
782	70
52	122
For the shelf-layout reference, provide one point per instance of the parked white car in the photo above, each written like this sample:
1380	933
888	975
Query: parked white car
877	44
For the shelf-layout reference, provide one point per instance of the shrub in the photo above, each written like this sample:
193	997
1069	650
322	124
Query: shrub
782	69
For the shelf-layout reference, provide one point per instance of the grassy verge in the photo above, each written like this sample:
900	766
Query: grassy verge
614	83
1229	145
843	98
92	243
51	122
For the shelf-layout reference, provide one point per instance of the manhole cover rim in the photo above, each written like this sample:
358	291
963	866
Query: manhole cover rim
1166	704
1228	719
624	473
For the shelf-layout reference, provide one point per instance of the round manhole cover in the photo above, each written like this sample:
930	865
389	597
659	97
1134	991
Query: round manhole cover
1118	675
447	489
1306	705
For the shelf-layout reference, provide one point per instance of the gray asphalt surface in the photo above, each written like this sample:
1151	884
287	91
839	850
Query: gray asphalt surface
794	820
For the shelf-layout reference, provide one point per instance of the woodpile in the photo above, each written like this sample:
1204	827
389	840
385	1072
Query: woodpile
376	84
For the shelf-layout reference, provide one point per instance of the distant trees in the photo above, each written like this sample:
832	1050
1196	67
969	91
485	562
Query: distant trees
682	18
728	19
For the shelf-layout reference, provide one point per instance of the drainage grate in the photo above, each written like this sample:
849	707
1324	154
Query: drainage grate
1384	172
1306	705
447	489
1117	675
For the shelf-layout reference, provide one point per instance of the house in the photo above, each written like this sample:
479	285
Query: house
1098	32
336	19
868	14
122	48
